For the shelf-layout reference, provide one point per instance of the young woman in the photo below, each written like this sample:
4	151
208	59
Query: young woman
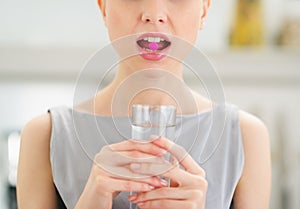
54	172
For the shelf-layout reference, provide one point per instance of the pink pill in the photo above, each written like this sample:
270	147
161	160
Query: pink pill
153	46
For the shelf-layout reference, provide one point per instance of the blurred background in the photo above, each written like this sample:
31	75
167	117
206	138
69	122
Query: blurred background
254	45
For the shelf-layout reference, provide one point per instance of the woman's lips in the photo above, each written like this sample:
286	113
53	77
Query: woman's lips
155	35
153	55
150	45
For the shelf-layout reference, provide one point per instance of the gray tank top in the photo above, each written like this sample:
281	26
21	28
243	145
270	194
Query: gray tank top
215	144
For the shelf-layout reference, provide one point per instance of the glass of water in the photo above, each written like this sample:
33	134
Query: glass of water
147	120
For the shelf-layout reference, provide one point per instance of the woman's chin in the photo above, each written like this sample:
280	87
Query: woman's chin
139	62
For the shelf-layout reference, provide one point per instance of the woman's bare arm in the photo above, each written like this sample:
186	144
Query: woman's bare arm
35	187
253	190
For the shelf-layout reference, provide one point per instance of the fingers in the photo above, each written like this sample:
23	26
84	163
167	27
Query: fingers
138	169
152	180
121	172
143	185
167	204
142	146
153	169
136	156
182	156
124	185
106	158
162	193
129	151
170	197
181	177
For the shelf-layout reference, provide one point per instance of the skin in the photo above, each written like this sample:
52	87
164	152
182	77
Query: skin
183	18
179	18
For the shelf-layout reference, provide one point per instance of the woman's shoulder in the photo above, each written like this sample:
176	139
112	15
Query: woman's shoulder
255	135
256	141
35	137
38	129
35	184
256	175
253	129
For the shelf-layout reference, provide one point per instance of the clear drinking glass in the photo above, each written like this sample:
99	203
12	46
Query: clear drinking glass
147	120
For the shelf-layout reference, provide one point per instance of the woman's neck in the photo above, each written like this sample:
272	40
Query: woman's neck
150	86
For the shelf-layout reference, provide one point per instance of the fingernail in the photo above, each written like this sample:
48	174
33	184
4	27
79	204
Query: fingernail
151	187
135	165
132	197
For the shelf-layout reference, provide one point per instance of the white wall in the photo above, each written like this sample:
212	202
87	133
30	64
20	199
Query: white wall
56	22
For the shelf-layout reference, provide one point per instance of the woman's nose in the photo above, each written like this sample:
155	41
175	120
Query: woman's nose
154	12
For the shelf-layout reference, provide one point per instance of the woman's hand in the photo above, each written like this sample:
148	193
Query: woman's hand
188	188
111	173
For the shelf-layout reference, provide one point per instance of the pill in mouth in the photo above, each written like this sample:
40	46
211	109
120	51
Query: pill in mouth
145	44
153	46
